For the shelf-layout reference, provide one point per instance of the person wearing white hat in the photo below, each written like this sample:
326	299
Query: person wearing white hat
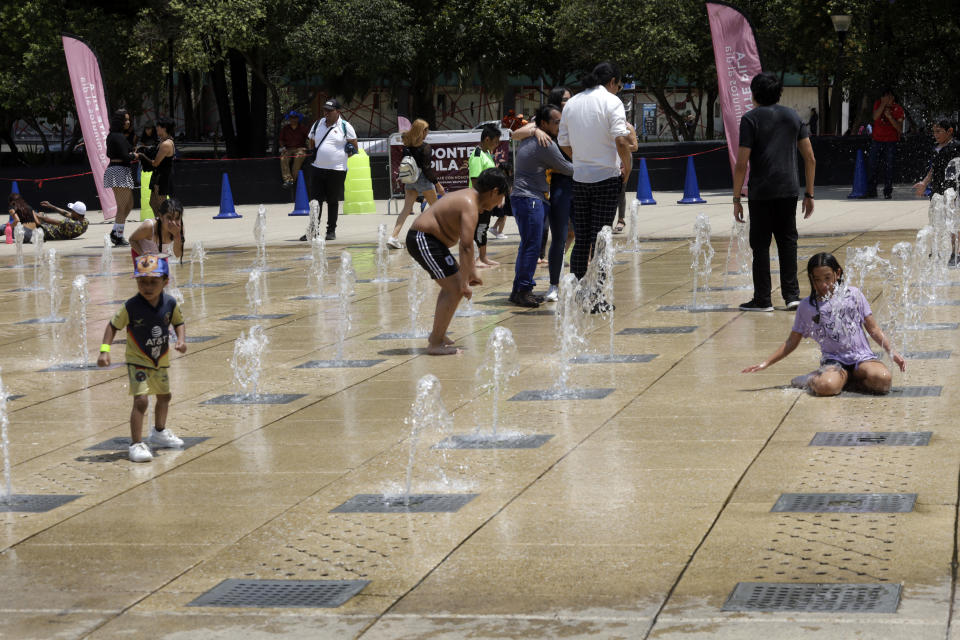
73	224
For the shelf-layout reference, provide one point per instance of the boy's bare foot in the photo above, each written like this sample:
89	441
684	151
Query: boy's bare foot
482	265
489	262
447	341
442	350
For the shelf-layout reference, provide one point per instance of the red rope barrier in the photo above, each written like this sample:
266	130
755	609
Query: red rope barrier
698	153
39	181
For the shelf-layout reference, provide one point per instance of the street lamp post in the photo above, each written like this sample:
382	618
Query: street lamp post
841	24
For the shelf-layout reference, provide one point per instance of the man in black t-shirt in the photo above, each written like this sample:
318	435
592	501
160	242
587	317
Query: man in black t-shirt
770	135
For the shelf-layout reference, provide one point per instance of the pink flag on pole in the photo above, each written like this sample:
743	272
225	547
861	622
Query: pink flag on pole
92	113
738	61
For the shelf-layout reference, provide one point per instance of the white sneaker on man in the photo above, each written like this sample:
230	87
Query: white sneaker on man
139	452
552	294
394	243
164	439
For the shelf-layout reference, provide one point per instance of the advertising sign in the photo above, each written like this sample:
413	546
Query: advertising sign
451	152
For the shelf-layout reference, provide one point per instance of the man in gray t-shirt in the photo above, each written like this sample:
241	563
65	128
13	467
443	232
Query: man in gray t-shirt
531	208
770	135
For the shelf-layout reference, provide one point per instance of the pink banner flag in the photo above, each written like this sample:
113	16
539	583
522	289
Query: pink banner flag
738	61
92	113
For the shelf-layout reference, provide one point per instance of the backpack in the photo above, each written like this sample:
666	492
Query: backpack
409	170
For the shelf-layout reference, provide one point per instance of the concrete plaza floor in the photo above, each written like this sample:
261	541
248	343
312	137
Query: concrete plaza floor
636	518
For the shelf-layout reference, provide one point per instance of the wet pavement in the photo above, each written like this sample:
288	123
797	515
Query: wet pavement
637	515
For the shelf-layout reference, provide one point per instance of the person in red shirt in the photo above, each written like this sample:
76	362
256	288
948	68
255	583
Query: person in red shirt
293	147
887	127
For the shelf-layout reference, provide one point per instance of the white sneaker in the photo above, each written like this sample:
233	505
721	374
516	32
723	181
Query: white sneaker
499	236
165	439
552	294
139	452
394	243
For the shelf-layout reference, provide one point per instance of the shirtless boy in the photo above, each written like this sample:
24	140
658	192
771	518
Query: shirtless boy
451	220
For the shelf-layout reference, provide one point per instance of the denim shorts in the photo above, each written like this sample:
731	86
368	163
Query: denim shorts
421	185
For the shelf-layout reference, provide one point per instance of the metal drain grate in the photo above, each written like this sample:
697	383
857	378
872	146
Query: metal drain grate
402	335
264	269
942	303
339	364
78	366
927	355
42	321
258	316
204	285
568	394
899	392
255	398
379	280
280	593
934	326
408	351
812	597
703	307
417	503
655	330
32	503
871	438
592	358
536	312
122	444
200	338
845	502
496	441
473	313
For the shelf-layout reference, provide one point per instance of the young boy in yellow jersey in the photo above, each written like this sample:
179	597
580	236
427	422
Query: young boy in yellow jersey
147	317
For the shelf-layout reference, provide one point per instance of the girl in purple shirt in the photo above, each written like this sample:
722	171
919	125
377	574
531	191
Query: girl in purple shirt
839	319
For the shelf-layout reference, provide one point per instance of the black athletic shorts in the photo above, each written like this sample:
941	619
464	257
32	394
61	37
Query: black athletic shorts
483	223
431	254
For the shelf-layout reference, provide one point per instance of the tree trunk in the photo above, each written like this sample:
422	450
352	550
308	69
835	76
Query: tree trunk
186	99
258	108
823	97
711	100
672	116
421	94
32	121
241	100
7	136
67	149
218	78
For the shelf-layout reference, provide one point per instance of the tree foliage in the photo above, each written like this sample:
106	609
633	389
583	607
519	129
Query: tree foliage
252	51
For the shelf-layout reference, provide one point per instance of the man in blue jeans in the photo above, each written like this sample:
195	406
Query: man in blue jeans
528	199
770	135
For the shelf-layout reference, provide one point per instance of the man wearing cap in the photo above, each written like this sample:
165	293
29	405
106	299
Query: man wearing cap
293	147
330	136
73	224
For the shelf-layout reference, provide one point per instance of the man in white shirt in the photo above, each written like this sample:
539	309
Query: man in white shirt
594	133
330	135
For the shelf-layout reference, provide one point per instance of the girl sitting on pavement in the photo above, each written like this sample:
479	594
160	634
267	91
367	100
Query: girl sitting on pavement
839	318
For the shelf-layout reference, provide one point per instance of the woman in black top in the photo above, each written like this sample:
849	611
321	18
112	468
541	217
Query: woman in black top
427	185
118	176
162	163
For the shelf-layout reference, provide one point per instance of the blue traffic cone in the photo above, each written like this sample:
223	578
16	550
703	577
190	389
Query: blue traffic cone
227	210
860	183
644	192
691	190
15	188
301	206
